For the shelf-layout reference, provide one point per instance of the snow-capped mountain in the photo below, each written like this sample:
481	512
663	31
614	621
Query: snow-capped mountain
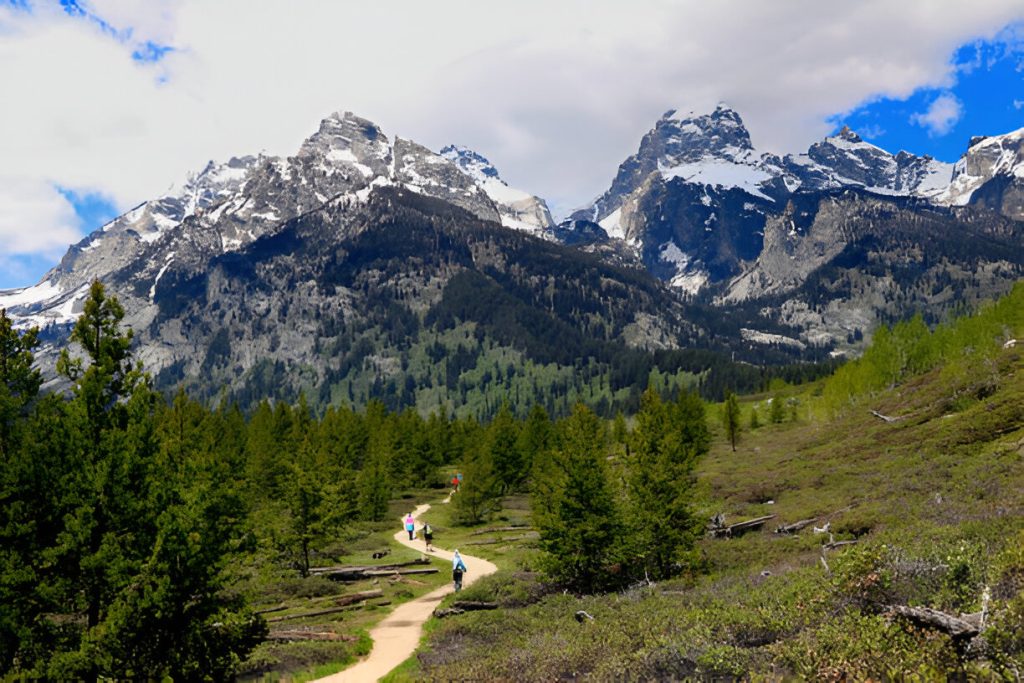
990	174
227	206
518	209
694	198
820	246
845	160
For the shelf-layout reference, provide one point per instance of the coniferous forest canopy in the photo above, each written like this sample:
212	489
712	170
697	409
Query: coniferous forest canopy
130	519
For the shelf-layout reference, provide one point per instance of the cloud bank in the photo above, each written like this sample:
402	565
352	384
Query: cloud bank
555	94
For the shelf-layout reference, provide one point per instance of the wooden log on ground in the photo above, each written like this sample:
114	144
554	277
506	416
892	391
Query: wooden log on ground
496	529
509	539
447	612
469	605
955	627
295	636
884	417
795	526
343	603
303	615
401	572
741	527
352	598
346	569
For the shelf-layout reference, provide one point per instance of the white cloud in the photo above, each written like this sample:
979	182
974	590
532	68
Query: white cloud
1018	104
555	94
942	114
35	218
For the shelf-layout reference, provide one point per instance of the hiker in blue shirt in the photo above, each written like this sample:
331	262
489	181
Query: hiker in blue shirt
458	569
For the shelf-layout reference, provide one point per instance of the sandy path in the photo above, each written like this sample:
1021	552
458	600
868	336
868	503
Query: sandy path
397	637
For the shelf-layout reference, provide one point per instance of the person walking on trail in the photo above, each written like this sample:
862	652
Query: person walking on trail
458	569
428	536
410	526
455	484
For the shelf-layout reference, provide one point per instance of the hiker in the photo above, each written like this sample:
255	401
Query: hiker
428	536
455	484
458	569
410	526
458	477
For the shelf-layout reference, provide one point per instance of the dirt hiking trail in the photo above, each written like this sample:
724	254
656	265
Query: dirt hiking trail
397	637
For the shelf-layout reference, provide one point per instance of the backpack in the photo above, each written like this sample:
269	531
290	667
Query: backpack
427	529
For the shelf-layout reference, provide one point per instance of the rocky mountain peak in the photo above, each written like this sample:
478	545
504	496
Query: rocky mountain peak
991	172
846	133
691	136
343	136
471	162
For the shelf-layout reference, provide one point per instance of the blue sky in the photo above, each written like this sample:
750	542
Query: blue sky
987	98
116	101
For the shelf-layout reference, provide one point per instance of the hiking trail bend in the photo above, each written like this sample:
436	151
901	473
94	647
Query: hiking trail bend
396	638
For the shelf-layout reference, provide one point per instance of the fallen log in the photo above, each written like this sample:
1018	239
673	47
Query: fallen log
496	529
955	627
401	572
509	539
346	569
269	610
740	527
351	598
303	615
884	417
342	602
832	545
469	605
447	612
795	526
295	636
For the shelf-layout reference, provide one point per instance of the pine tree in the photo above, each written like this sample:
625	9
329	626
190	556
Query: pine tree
480	492
580	532
373	484
667	441
536	438
502	441
777	414
144	528
19	381
731	418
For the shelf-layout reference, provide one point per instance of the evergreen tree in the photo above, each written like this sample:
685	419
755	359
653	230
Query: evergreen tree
777	413
128	536
580	533
19	381
505	454
374	484
667	441
535	438
480	492
731	418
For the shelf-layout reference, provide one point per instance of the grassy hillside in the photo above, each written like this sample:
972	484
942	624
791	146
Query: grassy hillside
932	499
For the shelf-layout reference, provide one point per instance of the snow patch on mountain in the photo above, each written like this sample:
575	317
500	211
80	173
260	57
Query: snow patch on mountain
518	209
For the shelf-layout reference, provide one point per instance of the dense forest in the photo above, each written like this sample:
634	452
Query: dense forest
126	515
